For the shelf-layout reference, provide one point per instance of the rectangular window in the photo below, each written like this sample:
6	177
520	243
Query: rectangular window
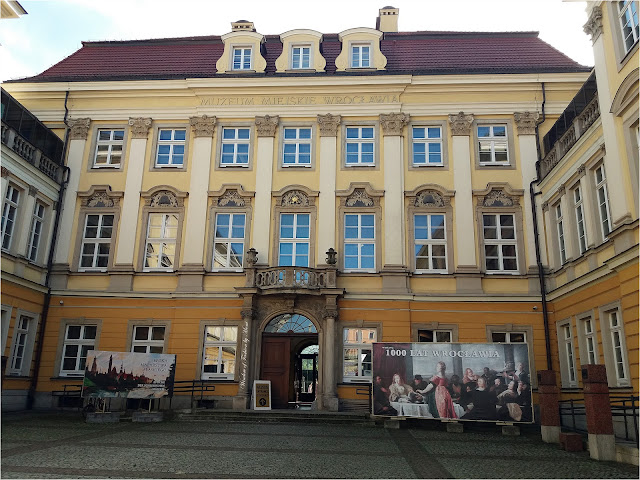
171	144
148	339
357	358
36	231
294	240
242	58
360	56
590	341
579	209
9	213
499	235
297	147
427	146
109	147
360	146
219	352
235	146
430	246
618	346
160	248
359	242
78	341
628	11
492	145
20	338
567	340
300	57
560	232
603	201
96	242
434	336
228	248
509	337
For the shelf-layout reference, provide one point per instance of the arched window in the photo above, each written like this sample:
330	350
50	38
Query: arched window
290	323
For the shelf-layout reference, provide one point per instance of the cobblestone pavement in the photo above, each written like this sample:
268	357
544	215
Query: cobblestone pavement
64	446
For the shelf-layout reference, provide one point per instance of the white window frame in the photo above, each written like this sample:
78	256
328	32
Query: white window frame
619	357
567	353
164	240
430	242
235	141
357	61
581	228
112	151
220	344
509	336
35	232
97	241
359	345
149	342
80	342
500	242
172	143
10	207
626	15
492	140
228	240
360	141
427	142
300	57
242	51
297	141
434	335
562	248
359	241
24	336
589	343
602	201
295	240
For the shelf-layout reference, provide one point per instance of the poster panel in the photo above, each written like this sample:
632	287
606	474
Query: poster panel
262	394
128	374
465	381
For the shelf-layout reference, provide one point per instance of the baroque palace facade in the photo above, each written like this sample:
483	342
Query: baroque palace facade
268	206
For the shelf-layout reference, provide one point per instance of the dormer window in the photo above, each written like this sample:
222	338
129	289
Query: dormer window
300	57
360	56
242	58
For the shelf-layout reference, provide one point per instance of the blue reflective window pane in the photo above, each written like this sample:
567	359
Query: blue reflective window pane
366	249
286	248
177	159
163	160
433	132
179	134
290	148
289	133
302	261
236	249
305	148
352	158
367	158
419	158
303	219
351	249
367	132
243	148
352	148
367	148
434	148
305	133
289	158
286	219
352	133
351	220
238	220
164	149
237	231
499	131
227	148
286	260
484	131
350	263
367	220
243	133
421	233
178	149
419	148
420	220
418	132
227	158
165	134
304	158
229	133
351	232
302	249
435	158
367	262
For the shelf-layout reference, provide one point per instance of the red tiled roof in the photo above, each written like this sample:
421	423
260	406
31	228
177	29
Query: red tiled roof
406	52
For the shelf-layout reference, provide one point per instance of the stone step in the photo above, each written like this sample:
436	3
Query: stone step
274	417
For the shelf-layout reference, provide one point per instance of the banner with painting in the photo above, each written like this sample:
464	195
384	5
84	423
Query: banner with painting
465	381
128	374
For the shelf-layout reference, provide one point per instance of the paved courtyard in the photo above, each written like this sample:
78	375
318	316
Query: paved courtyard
64	446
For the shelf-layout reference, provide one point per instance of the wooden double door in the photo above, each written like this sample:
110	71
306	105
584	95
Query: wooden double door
280	362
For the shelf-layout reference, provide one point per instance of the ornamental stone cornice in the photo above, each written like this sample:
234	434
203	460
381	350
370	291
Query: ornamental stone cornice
593	26
140	127
79	128
328	125
4	172
33	191
203	126
582	169
526	122
393	123
460	124
267	125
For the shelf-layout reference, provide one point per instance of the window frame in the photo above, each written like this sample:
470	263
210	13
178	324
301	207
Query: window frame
441	141
587	340
230	376
611	362
172	143
511	151
578	208
359	346
510	329
163	239
294	240
360	141
293	47
29	336
359	241
64	329
235	141
284	206
95	128
133	324
10	204
434	326
36	231
601	186
5	318
110	143
635	28
297	141
500	242
430	242
97	241
228	240
243	49
560	232
567	353
360	45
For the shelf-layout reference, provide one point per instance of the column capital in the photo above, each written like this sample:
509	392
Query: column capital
393	123
4	172
266	126
33	191
330	312
460	124
79	128
582	169
203	126
526	122
247	314
329	124
140	127
593	26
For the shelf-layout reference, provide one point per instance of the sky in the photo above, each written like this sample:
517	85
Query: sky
54	29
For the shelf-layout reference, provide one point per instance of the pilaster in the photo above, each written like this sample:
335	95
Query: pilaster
330	398
328	128
21	241
266	129
241	400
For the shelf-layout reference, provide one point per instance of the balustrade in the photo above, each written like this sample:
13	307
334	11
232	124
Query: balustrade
294	277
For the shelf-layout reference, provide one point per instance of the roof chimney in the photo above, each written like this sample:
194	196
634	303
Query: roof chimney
242	25
387	20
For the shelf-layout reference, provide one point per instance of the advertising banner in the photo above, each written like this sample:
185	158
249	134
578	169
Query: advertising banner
465	381
262	394
128	374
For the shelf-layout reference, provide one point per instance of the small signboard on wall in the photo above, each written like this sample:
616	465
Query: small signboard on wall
262	395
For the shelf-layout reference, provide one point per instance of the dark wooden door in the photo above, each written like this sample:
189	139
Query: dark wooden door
276	357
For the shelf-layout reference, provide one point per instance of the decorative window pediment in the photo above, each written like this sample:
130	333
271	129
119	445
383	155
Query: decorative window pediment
232	195
164	196
100	196
359	195
498	195
296	196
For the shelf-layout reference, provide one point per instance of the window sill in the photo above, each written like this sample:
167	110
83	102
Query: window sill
240	70
10	376
296	165
96	271
158	271
422	165
350	165
172	167
223	270
506	274
430	272
361	69
78	377
234	165
108	167
300	70
495	165
353	273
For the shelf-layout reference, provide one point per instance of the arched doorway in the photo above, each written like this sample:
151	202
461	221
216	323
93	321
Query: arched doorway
284	340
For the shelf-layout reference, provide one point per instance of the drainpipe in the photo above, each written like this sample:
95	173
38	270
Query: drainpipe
533	194
54	237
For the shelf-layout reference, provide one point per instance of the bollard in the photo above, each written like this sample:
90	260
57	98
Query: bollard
548	397
602	443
